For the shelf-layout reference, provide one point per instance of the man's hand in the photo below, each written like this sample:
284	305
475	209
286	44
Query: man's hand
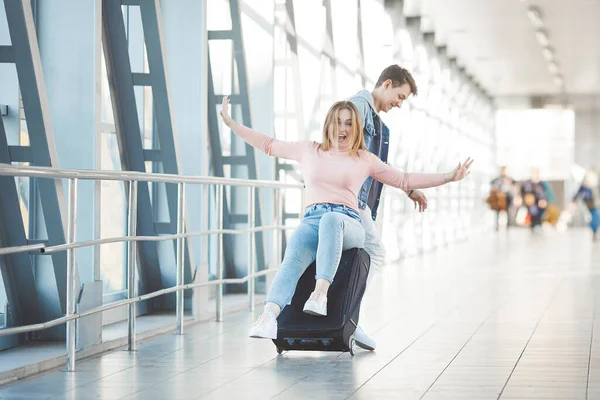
419	199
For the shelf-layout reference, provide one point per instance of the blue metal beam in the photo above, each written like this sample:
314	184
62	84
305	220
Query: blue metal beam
17	269
128	134
218	162
242	98
163	109
43	150
20	153
6	54
281	165
159	215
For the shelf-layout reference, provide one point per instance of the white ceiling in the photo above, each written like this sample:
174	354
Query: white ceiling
495	41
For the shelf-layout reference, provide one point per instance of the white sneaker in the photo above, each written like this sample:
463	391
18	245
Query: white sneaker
316	304
265	327
362	340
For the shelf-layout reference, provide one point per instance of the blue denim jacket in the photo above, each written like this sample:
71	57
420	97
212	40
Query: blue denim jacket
370	192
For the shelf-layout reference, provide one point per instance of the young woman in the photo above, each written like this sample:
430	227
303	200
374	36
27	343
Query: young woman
333	170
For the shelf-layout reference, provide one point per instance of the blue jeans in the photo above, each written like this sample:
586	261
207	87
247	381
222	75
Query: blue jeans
325	231
595	222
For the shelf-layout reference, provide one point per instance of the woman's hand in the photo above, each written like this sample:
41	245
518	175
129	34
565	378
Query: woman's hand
225	113
461	171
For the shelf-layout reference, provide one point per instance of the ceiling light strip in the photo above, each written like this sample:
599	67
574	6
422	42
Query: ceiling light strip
536	18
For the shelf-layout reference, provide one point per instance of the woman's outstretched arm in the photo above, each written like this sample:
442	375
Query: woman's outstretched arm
267	144
416	180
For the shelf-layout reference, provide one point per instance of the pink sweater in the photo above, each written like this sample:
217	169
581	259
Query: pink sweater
336	176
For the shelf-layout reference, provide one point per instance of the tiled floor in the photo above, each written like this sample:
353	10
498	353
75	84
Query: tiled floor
509	316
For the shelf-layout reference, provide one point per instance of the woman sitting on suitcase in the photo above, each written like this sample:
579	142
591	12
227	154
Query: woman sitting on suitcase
334	171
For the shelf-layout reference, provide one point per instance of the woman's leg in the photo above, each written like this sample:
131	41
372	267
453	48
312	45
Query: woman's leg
534	214
337	232
595	222
497	220
300	253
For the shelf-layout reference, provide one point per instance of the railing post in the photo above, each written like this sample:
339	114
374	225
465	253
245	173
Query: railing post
280	231
275	263
71	274
251	224
201	296
220	266
131	265
180	253
302	202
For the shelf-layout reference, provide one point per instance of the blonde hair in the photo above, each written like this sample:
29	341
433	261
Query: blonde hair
331	127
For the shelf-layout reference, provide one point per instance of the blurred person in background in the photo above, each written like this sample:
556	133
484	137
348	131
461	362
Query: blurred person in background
501	196
535	194
589	193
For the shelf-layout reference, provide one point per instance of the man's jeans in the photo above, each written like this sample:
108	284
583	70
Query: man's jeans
325	231
373	244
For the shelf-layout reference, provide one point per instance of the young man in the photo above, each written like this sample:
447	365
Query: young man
393	87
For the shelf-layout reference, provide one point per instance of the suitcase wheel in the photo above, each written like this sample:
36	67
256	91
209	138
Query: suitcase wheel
352	346
279	350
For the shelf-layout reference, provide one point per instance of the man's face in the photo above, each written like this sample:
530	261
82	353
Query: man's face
394	96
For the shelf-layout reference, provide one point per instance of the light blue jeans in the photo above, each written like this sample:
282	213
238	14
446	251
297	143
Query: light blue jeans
325	231
595	222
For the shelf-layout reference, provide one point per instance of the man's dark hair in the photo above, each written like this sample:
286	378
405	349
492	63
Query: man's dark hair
399	76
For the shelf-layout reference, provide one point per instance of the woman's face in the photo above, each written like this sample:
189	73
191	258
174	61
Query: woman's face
345	129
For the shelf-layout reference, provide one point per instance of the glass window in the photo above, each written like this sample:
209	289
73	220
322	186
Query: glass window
541	139
113	204
113	196
25	184
404	43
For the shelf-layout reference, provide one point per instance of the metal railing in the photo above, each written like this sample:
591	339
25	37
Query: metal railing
71	245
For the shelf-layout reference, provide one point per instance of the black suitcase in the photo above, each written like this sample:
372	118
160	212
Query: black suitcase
335	332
